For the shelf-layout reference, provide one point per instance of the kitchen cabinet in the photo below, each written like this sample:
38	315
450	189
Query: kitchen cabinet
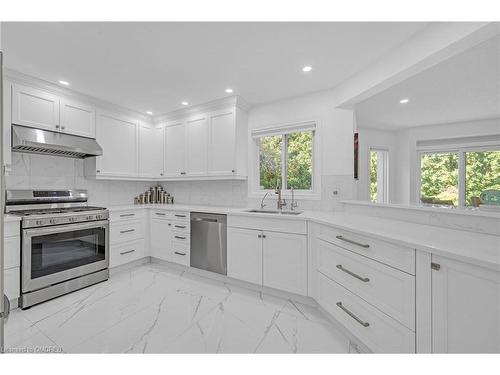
77	118
175	150
196	145
222	143
120	157
244	255
465	307
150	151
35	108
161	239
273	259
285	261
7	119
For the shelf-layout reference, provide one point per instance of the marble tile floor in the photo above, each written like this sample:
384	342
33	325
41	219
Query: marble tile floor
154	309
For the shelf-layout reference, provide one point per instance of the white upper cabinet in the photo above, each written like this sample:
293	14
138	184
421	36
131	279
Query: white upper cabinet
150	151
77	118
35	108
175	150
196	141
118	137
222	143
465	308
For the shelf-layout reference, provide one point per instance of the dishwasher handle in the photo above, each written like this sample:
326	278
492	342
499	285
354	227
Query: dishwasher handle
205	219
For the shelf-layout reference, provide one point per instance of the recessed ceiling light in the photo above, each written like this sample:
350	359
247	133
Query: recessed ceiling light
65	83
229	90
307	69
404	101
184	103
149	112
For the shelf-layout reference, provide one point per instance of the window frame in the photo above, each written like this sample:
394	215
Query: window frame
461	151
386	177
281	130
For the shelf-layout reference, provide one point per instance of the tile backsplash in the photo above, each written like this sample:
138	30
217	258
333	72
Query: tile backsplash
52	172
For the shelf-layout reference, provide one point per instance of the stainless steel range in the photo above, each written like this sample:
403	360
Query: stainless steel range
64	242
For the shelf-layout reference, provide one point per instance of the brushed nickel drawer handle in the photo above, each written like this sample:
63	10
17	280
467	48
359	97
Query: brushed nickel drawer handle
364	324
126	215
363	279
180	238
127	252
176	215
342	238
160	214
127	231
180	226
176	252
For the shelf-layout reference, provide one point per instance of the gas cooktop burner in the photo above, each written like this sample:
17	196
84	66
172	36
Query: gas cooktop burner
53	211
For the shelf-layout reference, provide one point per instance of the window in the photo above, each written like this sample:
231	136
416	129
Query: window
379	176
459	178
286	158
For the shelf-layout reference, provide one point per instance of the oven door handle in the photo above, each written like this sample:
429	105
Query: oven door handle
65	228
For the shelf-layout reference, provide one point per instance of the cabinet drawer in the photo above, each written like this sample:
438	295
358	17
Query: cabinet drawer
126	231
181	227
376	330
12	252
12	283
115	216
161	214
386	288
181	216
180	255
396	256
12	228
126	252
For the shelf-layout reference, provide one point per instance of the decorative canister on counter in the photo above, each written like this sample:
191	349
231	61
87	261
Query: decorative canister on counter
136	200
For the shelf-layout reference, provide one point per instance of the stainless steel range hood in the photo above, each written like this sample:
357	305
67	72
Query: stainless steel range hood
37	141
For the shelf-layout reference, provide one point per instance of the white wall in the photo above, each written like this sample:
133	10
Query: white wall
334	134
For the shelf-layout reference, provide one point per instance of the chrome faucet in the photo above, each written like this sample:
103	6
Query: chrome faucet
262	205
281	202
293	203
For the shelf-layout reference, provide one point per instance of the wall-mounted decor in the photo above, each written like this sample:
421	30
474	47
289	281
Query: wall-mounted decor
356	155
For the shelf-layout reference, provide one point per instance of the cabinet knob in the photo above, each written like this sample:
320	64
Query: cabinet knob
435	266
57	126
63	127
233	170
98	171
161	174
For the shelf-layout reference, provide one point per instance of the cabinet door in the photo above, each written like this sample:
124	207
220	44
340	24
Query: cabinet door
244	255
150	151
221	144
7	119
118	138
175	141
77	118
35	108
161	239
196	139
285	262
465	308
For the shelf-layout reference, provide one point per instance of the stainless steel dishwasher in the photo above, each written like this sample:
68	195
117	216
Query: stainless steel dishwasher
209	242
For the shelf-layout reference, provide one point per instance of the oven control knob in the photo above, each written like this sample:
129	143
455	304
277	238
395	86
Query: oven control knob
39	222
98	217
90	217
52	221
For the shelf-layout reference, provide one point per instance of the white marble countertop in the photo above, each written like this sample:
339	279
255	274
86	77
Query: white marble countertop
477	248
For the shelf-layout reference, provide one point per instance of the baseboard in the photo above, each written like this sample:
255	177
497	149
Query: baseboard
127	266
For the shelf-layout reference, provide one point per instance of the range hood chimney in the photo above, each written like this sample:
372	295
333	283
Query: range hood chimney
38	141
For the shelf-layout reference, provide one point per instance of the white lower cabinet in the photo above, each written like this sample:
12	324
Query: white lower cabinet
126	252
285	262
12	258
379	332
244	254
273	259
161	239
465	308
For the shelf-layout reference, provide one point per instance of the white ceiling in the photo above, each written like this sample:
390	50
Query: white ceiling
155	66
462	88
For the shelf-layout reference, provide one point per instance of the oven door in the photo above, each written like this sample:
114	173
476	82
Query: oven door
51	255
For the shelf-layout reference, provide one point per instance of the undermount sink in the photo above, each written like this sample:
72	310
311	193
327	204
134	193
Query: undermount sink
276	212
